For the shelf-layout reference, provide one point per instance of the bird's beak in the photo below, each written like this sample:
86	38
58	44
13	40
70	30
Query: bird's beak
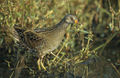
76	21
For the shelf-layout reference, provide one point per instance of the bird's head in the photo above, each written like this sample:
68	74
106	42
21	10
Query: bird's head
71	19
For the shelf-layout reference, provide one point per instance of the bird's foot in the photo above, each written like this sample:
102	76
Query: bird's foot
41	65
38	62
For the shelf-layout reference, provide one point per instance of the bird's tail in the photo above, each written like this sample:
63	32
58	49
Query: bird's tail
20	64
20	30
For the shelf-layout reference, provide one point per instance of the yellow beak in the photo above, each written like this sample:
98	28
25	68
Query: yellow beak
76	21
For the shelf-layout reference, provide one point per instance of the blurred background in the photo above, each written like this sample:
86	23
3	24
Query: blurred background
90	49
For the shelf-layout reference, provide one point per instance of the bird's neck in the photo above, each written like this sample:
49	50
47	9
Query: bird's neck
62	25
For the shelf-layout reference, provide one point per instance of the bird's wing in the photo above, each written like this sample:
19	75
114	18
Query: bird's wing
33	40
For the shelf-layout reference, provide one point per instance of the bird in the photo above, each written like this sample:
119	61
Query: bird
46	40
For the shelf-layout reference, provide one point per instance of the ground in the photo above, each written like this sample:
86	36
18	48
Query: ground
88	47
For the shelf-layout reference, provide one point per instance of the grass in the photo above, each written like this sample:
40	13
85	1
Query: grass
96	34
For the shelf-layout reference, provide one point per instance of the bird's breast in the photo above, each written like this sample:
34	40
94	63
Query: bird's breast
54	40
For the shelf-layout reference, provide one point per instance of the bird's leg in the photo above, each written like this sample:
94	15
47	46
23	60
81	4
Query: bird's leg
40	64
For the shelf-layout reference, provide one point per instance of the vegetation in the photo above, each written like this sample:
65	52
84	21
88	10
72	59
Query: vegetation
96	36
